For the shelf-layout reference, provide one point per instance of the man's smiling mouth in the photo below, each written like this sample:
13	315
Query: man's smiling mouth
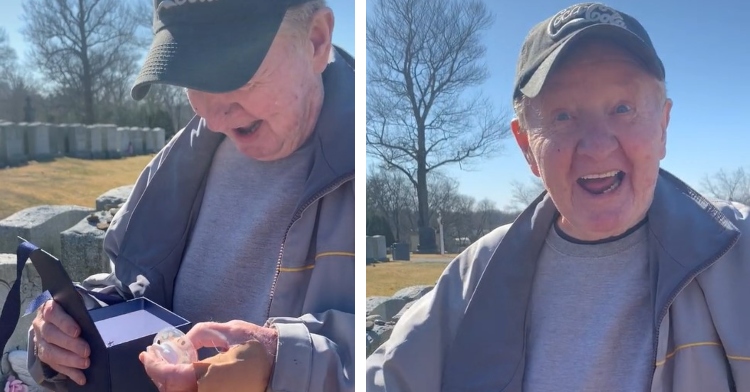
601	183
249	129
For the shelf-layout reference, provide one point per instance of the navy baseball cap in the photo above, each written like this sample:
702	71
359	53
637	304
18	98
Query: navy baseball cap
549	40
209	45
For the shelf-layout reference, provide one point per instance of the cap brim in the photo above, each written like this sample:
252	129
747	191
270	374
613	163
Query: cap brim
213	58
628	40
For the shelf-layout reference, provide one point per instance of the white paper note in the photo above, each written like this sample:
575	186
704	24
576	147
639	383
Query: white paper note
129	326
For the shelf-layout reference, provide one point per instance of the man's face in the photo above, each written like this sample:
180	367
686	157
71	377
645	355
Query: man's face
596	134
276	111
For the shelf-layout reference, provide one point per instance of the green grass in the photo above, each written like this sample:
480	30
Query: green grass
65	181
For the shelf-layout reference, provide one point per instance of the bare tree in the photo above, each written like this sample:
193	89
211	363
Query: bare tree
174	101
390	194
8	63
522	194
731	186
443	194
424	60
87	48
458	216
485	218
8	57
16	85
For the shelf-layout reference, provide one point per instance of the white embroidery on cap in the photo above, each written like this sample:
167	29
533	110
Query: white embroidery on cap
167	4
575	16
195	132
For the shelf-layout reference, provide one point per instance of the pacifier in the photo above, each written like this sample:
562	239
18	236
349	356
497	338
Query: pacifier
174	347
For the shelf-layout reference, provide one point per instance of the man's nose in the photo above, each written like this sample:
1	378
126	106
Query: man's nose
597	142
220	113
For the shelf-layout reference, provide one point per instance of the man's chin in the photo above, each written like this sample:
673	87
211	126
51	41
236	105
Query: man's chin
262	155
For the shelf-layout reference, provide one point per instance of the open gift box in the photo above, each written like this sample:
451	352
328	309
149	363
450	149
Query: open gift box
115	333
123	331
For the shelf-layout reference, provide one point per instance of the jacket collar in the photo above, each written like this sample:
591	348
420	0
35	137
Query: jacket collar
334	132
686	235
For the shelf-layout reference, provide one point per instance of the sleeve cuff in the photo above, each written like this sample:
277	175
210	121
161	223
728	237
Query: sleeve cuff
293	364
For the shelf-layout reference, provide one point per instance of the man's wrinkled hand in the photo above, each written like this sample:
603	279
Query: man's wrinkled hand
166	376
225	335
245	360
58	342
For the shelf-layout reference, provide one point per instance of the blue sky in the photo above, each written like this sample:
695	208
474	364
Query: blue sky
343	35
706	54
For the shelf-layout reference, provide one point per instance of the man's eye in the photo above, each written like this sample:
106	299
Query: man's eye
622	109
562	117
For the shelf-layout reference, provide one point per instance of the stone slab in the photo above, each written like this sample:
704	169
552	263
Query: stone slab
374	302
96	141
111	141
385	308
77	138
413	293
56	145
377	336
136	138
82	252
41	225
160	138
65	130
126	148
3	148
375	248
13	151
38	142
149	140
31	287
113	197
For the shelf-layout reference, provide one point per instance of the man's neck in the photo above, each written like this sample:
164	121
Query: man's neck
612	238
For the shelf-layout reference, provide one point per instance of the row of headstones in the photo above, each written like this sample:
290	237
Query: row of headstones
23	142
73	234
384	312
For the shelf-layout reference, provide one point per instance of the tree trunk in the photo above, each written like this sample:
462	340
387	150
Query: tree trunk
88	93
427	242
422	205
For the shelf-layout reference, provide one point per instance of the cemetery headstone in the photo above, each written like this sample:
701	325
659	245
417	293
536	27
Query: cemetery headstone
41	225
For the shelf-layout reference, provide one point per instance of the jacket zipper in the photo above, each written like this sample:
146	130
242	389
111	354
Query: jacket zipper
330	188
682	286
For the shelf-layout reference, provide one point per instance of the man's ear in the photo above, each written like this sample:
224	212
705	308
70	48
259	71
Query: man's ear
522	139
320	35
664	125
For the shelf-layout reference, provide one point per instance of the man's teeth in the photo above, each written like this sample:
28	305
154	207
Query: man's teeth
246	131
601	175
612	187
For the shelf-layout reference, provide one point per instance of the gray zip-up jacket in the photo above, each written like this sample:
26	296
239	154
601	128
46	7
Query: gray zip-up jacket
312	299
469	333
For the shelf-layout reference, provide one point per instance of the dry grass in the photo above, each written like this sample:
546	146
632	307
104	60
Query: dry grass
387	278
65	181
422	257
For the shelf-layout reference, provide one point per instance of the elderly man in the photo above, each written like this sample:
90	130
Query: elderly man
619	277
246	217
